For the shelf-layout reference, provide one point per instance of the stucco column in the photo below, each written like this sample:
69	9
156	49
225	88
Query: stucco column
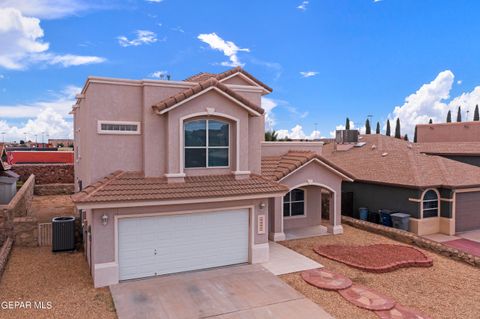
335	214
276	219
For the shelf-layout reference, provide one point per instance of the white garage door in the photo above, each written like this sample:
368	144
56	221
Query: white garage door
149	246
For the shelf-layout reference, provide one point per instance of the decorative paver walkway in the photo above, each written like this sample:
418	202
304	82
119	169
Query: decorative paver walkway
324	279
400	312
375	258
363	297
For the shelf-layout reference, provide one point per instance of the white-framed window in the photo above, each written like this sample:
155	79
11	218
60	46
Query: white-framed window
118	127
294	203
206	143
430	204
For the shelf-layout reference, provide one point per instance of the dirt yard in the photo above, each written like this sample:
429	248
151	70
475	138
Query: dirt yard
447	290
63	279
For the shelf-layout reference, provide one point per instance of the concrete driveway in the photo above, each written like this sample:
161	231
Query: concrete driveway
236	292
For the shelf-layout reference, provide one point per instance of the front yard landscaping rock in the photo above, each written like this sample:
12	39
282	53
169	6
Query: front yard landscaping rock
448	289
375	258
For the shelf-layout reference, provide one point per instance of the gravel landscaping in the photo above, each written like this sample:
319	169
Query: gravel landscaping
37	275
448	289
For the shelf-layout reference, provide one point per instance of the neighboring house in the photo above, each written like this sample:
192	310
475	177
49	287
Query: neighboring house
459	141
440	194
60	142
22	155
169	176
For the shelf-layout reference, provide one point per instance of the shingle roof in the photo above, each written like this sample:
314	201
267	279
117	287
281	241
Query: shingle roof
202	86
387	160
449	148
134	186
277	167
202	76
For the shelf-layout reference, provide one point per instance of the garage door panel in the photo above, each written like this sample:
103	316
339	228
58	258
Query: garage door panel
182	242
467	211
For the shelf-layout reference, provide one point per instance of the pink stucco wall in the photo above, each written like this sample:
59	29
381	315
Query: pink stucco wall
156	150
449	132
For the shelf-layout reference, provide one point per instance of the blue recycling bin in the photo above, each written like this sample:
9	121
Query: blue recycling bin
386	218
363	213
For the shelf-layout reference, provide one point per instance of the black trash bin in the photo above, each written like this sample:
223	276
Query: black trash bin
374	217
63	233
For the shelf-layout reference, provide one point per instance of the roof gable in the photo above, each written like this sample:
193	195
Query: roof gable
182	97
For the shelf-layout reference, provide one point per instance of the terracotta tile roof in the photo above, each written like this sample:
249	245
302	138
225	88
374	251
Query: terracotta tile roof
277	167
449	148
199	77
133	186
211	82
387	160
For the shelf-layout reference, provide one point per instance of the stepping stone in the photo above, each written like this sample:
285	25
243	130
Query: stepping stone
400	312
366	298
325	279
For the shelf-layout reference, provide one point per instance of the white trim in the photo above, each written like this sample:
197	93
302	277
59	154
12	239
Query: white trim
250	110
246	78
345	177
120	81
207	114
251	230
108	132
467	190
145	203
245	88
241	173
175	175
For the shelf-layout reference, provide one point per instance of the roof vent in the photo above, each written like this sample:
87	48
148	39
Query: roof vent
360	144
384	154
374	147
346	136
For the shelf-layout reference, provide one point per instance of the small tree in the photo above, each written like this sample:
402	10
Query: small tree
368	130
388	128
271	136
377	131
347	124
449	116
430	121
405	137
415	135
459	114
476	116
397	129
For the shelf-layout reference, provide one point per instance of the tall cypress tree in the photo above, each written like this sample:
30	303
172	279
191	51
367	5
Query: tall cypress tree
347	124
415	135
476	116
388	128
449	116
377	131
459	114
368	130
430	121
397	129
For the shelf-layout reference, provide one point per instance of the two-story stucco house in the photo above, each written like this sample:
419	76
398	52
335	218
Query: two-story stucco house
174	176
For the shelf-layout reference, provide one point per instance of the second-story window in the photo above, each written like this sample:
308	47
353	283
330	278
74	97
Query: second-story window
206	143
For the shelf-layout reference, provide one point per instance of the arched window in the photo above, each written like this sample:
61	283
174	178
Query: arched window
294	203
206	143
430	204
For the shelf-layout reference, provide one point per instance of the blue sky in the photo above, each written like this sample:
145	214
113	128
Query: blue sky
325	59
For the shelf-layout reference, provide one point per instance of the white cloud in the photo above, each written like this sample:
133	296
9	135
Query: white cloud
459	82
154	1
268	105
159	74
303	5
297	133
48	117
22	45
377	0
228	48
307	74
143	37
433	101
46	9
